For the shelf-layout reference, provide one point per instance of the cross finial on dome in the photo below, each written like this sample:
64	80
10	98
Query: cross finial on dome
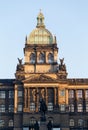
40	10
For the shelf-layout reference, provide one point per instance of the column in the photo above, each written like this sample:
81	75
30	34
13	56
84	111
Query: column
54	96
25	98
66	97
75	99
29	99
46	97
37	101
15	98
58	95
84	101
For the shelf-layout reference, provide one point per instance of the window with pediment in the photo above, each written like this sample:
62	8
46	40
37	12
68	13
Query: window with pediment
32	58
11	123
50	58
80	122
71	122
32	120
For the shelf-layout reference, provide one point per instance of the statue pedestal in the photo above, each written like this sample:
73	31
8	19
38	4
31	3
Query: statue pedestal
43	119
43	126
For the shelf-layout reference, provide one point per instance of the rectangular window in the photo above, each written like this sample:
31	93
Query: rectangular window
32	106
56	129
50	106
25	128
86	107
62	107
71	93
2	108
79	93
86	93
19	93
2	94
62	93
11	108
11	94
80	107
19	107
71	108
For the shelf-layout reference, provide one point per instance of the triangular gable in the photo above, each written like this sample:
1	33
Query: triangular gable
39	78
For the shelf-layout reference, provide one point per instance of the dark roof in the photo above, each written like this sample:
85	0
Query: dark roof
7	81
78	81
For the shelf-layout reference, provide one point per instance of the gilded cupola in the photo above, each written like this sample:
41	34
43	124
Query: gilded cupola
40	35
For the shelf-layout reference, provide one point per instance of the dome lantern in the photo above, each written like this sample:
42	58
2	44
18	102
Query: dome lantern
40	20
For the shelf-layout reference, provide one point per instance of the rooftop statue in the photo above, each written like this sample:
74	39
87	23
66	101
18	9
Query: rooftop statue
62	66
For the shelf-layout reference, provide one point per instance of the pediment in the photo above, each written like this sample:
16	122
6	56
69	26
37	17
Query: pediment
39	78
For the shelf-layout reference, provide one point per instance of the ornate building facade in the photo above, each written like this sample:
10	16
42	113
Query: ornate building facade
41	81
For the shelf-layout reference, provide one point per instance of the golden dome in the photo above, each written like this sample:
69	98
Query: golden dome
40	35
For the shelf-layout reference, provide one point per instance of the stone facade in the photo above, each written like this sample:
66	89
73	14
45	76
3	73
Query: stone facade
41	81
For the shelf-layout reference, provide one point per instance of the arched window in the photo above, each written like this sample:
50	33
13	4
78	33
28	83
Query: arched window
32	121
41	58
50	58
80	107
32	58
71	123
11	123
71	108
51	119
80	122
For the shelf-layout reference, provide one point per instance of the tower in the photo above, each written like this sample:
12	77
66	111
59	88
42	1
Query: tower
40	76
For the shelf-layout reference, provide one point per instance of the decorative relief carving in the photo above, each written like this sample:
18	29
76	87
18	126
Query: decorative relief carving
34	94
42	93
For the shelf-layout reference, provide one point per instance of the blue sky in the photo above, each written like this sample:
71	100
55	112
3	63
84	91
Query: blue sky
67	19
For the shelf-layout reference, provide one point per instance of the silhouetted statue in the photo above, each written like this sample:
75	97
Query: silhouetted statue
49	125
62	66
36	126
20	61
43	108
20	66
